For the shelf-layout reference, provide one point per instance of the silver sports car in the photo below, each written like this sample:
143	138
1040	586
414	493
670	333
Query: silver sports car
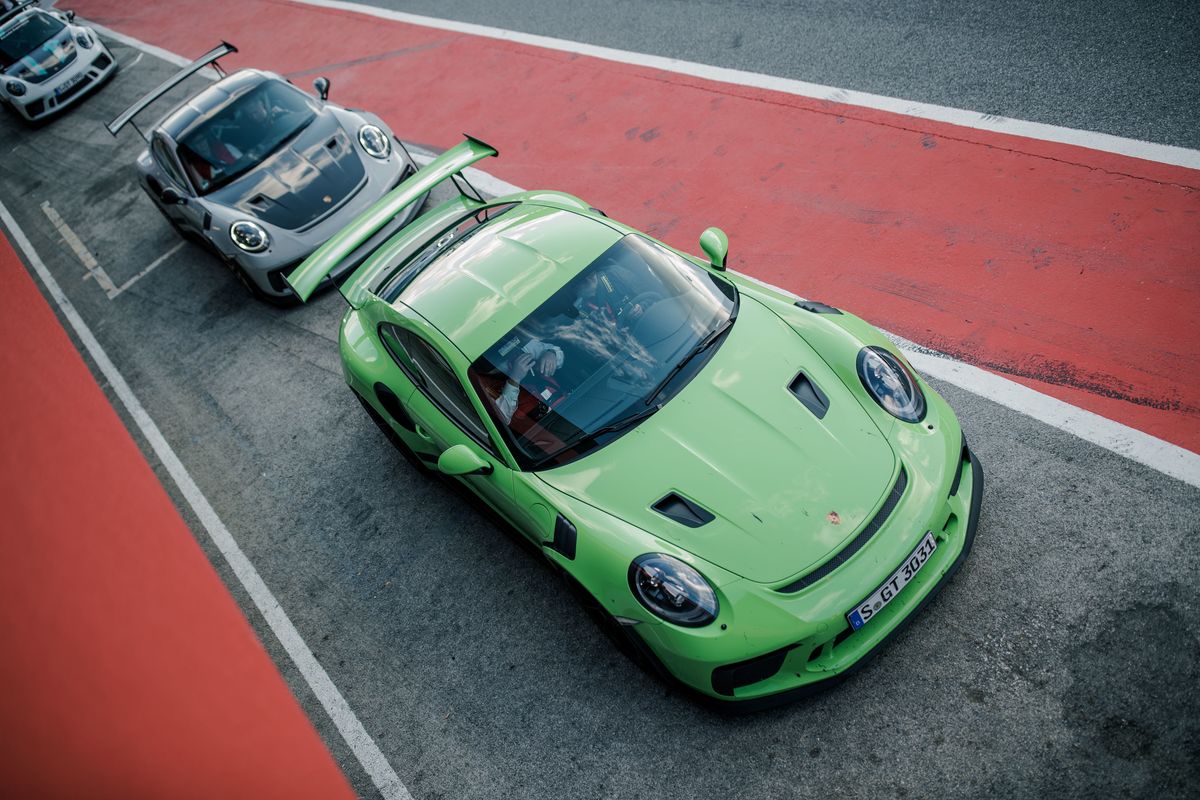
262	173
47	61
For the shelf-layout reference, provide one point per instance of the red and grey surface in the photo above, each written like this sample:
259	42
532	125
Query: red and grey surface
1059	662
1073	271
129	670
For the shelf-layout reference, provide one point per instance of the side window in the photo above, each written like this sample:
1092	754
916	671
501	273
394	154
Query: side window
435	379
159	150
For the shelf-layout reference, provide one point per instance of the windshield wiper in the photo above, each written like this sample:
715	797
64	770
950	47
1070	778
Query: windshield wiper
590	437
705	343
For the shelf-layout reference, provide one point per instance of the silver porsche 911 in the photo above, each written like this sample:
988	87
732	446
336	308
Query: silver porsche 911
262	173
47	61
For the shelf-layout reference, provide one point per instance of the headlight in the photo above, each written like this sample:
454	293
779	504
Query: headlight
672	590
891	384
83	40
15	88
374	141
249	236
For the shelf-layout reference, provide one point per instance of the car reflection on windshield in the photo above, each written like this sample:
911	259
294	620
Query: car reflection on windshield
243	133
582	368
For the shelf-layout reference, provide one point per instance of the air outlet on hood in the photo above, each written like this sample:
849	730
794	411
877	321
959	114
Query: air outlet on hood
810	395
816	307
258	200
683	511
332	144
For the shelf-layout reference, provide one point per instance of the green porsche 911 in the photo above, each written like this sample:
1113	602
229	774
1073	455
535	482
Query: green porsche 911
754	490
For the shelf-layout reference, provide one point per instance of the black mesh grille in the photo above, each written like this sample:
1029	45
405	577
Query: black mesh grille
885	511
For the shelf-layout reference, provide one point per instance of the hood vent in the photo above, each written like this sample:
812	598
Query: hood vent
816	307
683	511
810	395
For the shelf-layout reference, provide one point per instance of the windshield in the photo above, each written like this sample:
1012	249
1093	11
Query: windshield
243	133
603	353
26	35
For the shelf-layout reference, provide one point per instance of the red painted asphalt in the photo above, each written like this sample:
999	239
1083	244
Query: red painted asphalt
1073	271
128	669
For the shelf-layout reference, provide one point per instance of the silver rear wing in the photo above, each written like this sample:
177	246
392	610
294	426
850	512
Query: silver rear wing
126	116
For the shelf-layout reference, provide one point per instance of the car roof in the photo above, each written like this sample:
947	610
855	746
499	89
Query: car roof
199	107
483	288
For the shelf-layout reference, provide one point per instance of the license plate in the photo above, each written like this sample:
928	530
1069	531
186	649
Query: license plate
67	84
886	593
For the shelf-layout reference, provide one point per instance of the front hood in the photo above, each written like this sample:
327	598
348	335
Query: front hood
737	442
302	181
45	60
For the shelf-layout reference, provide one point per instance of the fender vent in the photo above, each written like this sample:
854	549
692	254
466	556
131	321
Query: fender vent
810	395
683	511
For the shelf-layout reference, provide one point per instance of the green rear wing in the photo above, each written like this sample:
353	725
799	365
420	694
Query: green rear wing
305	279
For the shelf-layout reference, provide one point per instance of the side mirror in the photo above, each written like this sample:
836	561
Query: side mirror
462	460
70	15
322	86
171	197
715	245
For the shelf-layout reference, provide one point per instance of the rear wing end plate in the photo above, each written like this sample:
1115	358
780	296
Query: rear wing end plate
305	279
126	116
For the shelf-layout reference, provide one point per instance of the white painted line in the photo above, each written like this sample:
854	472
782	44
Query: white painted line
113	294
1167	458
1150	151
94	270
356	736
1143	448
157	52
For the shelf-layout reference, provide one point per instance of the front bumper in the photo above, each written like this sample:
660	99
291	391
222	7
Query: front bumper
825	650
86	73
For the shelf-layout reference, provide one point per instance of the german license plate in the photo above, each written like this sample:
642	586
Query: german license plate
862	613
67	84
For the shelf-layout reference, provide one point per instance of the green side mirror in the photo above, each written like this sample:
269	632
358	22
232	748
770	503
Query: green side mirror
462	460
715	245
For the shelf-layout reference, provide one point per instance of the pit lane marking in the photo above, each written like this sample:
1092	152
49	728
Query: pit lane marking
330	697
94	270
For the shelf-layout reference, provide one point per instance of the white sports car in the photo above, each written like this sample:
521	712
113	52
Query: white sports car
47	62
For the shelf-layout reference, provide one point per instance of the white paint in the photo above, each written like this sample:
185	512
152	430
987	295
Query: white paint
94	270
149	268
157	52
1123	440
351	729
1150	151
1143	448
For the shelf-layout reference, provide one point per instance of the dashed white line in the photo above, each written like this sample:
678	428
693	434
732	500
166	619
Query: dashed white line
331	699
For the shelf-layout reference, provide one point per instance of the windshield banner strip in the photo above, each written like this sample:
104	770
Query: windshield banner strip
305	279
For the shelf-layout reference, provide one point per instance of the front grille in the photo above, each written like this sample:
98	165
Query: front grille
102	61
885	511
731	676
35	108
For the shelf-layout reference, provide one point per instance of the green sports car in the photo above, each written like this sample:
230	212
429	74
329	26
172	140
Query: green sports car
753	490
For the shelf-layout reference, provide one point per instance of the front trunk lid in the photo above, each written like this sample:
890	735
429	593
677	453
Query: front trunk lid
301	182
786	489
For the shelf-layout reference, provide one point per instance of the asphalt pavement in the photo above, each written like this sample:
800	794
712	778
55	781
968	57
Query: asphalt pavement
1128	69
1061	661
